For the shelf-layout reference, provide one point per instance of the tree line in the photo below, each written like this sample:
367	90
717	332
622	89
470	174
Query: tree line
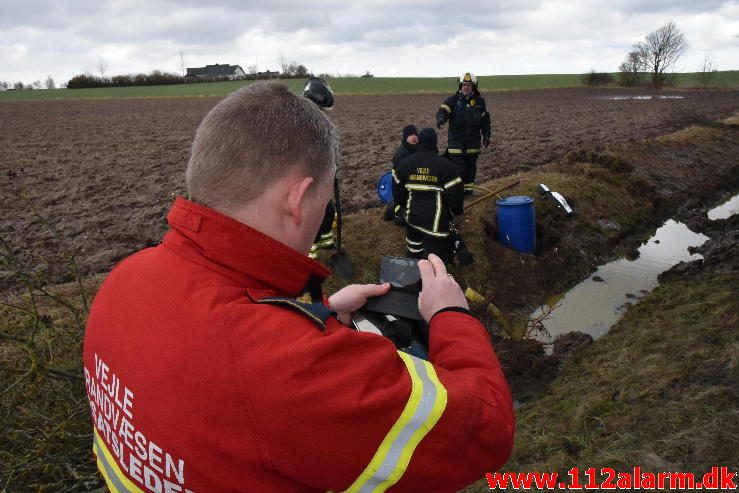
154	78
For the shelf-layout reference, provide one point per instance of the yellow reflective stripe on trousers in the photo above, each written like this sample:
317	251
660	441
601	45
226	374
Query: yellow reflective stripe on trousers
464	151
116	481
425	406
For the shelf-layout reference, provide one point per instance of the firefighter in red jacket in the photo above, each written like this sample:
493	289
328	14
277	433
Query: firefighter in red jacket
213	363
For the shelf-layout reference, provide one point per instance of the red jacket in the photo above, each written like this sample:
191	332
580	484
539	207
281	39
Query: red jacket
197	384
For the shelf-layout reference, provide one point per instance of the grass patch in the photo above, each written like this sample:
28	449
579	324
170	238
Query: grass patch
350	85
659	391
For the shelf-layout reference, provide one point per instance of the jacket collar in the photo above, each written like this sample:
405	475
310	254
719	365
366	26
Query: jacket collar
240	252
427	147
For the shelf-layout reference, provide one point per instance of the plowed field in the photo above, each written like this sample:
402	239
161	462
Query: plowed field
103	173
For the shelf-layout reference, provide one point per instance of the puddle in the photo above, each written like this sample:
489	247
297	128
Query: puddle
725	210
622	98
596	304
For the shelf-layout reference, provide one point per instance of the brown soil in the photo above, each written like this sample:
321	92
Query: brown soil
103	173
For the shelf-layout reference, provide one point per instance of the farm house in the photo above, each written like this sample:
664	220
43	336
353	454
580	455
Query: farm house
215	72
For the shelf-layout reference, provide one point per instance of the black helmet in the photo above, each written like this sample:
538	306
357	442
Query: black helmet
318	91
470	78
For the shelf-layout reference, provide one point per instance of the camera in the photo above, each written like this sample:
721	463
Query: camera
395	315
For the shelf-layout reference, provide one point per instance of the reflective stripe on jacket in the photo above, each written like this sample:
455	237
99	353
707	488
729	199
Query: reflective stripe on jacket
429	188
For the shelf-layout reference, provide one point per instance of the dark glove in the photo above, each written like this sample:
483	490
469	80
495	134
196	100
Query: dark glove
485	141
439	123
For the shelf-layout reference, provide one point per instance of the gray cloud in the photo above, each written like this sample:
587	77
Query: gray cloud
400	38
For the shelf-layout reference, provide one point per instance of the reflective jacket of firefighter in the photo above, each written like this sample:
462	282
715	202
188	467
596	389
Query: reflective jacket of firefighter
206	372
430	189
469	121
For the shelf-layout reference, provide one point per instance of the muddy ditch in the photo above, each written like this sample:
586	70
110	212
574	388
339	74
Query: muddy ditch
621	195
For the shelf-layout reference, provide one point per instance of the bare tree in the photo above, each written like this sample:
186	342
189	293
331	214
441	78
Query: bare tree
661	50
706	71
36	84
102	67
50	84
284	65
18	86
632	68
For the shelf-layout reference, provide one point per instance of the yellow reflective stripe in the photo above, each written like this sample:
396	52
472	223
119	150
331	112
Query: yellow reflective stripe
447	108
423	410
414	250
116	481
395	178
426	188
414	243
483	114
432	233
453	182
462	151
408	205
397	208
437	217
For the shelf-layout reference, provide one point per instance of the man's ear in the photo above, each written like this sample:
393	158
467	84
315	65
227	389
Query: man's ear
296	196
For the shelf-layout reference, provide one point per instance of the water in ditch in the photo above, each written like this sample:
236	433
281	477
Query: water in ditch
596	304
725	210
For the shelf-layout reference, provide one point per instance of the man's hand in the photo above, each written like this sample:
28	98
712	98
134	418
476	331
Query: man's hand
439	290
353	297
440	123
485	141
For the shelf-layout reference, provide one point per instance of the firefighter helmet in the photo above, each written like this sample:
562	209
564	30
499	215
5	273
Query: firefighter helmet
318	91
469	78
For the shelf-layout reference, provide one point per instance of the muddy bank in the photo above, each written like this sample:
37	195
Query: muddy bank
620	195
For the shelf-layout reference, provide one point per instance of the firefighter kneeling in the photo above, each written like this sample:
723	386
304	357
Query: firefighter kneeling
431	190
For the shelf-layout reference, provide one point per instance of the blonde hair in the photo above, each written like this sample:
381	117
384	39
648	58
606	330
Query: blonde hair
253	138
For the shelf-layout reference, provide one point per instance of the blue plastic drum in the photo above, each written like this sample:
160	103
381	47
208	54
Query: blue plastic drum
516	223
385	187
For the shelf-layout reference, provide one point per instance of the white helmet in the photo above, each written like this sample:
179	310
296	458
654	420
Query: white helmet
470	78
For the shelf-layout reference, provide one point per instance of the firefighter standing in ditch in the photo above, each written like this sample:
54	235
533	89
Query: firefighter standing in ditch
469	127
429	189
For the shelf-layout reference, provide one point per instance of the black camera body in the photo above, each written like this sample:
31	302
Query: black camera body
395	315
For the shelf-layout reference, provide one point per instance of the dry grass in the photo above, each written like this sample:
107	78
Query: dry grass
659	391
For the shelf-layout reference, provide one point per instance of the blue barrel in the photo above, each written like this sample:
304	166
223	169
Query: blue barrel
385	187
516	223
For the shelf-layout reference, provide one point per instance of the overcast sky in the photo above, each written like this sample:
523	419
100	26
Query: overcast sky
422	38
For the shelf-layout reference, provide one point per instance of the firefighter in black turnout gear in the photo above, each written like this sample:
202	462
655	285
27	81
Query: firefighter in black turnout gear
430	190
408	145
469	126
318	91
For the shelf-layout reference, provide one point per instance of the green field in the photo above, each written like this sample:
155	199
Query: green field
352	85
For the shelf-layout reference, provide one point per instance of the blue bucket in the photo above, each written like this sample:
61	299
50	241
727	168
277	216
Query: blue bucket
516	223
385	187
